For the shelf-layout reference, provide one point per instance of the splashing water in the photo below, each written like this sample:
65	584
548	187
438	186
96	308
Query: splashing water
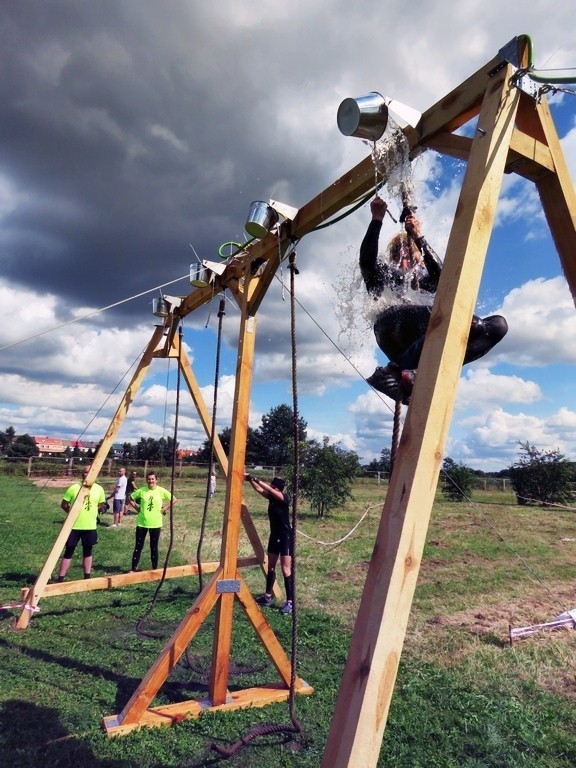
356	310
391	158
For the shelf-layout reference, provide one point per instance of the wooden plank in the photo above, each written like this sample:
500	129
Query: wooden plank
528	157
205	415
527	148
367	685
175	713
170	654
559	199
233	504
269	640
37	590
115	580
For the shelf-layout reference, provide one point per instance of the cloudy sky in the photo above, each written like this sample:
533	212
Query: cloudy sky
133	129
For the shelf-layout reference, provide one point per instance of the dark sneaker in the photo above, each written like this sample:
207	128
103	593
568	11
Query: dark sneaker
392	381
266	600
287	607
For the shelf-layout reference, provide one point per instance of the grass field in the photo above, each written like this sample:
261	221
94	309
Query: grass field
464	698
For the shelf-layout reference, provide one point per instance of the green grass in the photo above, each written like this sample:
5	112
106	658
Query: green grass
463	697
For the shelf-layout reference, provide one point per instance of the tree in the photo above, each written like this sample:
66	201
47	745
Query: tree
7	438
327	475
22	446
276	436
457	480
253	451
382	465
542	477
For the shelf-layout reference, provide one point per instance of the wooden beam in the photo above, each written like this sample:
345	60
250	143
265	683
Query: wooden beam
176	713
170	654
528	157
367	685
558	198
232	509
115	580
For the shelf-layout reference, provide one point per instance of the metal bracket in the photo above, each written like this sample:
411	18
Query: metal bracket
511	53
224	586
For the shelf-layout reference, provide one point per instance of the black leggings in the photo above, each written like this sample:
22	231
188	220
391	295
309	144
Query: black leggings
138	546
400	334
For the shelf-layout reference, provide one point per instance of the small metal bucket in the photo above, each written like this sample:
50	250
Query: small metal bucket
160	307
261	218
365	117
198	276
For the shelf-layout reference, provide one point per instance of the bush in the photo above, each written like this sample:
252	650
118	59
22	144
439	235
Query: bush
457	480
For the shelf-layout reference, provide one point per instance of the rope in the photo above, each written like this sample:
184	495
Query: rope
87	427
221	313
91	314
396	428
142	619
343	538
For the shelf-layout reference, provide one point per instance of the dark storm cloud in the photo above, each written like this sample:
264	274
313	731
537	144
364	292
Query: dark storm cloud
127	132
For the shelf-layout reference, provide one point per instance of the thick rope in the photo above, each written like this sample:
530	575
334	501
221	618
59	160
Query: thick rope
396	429
221	313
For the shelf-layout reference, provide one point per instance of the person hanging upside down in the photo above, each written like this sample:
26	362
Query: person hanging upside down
400	328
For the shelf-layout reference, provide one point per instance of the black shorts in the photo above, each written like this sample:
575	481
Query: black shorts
280	543
88	538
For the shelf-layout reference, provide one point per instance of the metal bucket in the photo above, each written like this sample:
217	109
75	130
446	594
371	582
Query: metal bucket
198	276
160	307
365	117
261	218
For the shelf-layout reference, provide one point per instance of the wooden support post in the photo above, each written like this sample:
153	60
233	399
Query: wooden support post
370	673
232	515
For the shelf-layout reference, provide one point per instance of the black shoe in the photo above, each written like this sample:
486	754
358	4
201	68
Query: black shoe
393	382
265	600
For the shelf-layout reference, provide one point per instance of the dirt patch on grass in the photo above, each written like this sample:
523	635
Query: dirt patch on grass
526	611
54	482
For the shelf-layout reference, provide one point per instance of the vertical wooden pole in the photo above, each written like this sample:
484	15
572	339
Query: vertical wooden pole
36	591
370	673
558	198
232	510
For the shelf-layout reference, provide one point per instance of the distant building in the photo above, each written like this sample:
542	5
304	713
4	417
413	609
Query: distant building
51	445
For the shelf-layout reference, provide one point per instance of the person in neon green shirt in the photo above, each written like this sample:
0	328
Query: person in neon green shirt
151	501
84	528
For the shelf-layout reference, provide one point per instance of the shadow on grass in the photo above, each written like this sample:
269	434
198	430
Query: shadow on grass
125	686
31	736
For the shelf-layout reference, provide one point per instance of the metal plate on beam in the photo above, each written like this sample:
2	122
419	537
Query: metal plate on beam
227	585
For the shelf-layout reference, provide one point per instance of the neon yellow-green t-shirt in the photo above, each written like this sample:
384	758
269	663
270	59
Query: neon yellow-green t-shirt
151	501
88	515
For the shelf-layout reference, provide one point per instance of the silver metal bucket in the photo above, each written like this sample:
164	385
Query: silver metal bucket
365	117
199	276
160	307
261	218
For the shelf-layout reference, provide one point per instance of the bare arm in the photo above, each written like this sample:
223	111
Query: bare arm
264	489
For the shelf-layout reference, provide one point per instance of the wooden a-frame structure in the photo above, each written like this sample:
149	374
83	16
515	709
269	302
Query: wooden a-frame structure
515	133
156	348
